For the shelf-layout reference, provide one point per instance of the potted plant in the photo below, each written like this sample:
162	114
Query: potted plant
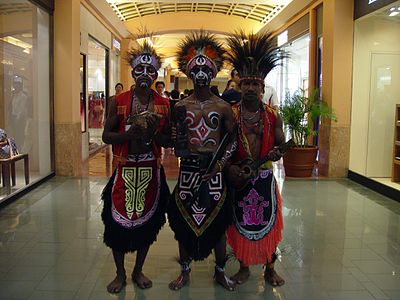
299	114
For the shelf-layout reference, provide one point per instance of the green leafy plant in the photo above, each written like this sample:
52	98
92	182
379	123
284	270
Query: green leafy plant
299	113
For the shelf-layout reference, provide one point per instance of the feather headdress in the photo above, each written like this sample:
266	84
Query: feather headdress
203	48
253	55
144	54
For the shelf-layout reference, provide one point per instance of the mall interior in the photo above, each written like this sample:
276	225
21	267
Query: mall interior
341	237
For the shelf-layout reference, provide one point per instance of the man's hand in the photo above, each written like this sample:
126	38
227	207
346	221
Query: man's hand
134	132
275	154
153	120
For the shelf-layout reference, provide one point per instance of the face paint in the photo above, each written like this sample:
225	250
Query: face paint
201	70
201	76
144	75
144	70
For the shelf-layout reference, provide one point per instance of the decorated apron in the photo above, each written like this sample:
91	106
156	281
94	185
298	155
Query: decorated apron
136	189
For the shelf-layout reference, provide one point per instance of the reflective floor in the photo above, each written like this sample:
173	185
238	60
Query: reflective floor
341	241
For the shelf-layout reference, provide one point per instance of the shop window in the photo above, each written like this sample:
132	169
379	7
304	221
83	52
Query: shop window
24	95
97	87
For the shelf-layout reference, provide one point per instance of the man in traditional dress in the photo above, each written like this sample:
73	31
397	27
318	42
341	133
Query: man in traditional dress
136	194
199	223
257	217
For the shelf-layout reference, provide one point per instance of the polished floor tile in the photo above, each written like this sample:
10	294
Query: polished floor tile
341	241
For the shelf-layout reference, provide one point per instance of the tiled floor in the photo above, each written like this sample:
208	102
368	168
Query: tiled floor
341	241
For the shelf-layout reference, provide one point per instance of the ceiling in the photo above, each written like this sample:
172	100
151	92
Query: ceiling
127	10
169	21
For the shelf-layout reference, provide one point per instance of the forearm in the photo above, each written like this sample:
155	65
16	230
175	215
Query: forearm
230	150
115	137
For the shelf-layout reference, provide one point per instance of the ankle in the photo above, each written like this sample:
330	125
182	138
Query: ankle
121	273
185	267
136	271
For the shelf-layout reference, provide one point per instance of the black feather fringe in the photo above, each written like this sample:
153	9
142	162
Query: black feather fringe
197	41
253	55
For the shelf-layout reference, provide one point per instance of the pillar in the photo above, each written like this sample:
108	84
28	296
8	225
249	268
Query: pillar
334	142
67	127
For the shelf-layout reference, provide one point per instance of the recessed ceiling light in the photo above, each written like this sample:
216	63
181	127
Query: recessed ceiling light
394	13
393	8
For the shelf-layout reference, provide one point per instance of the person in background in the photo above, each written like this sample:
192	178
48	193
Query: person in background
174	98
270	97
119	87
214	90
231	84
233	95
160	86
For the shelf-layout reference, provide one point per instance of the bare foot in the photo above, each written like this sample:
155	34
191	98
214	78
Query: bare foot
141	280
241	276
272	277
180	282
224	281
117	284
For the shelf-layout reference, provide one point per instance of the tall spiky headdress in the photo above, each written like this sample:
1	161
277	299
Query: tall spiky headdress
200	48
253	55
144	54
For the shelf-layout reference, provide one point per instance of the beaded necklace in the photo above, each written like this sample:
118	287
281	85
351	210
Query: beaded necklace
138	108
242	134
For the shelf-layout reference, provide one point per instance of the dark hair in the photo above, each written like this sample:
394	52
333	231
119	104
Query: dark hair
214	90
228	83
175	94
160	82
186	91
233	73
191	91
119	83
167	93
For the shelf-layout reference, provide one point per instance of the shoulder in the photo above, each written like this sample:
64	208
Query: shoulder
159	100
270	109
123	96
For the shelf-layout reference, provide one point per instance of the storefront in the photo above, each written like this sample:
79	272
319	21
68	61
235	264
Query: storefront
376	91
294	42
25	95
100	61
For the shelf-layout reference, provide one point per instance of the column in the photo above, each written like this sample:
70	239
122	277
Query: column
125	68
334	139
67	127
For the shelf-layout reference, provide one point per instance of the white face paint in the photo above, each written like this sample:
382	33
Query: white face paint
144	75
201	75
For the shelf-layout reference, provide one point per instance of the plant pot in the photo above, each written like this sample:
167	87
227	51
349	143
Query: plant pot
299	162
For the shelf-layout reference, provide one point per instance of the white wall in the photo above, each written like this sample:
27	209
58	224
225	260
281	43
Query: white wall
376	90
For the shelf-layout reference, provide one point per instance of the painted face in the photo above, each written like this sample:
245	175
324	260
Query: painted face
251	89
144	70
201	75
144	75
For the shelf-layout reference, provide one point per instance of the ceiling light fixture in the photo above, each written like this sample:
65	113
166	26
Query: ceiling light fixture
394	13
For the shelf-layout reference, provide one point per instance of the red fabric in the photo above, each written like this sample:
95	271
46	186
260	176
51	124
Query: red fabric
137	182
123	102
268	141
261	251
247	251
